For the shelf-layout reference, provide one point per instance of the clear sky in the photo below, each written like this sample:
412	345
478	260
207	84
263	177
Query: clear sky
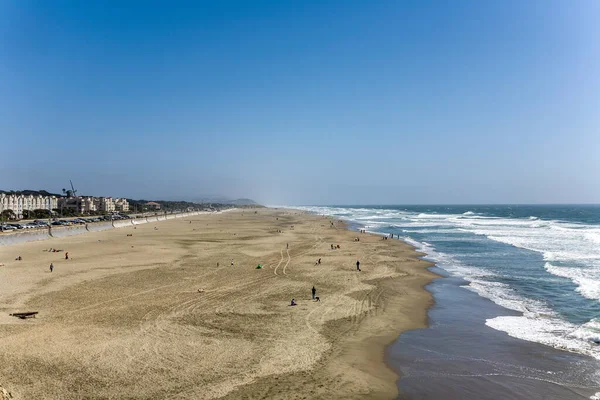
304	102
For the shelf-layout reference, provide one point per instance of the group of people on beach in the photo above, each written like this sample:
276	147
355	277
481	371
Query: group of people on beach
335	246
52	265
314	297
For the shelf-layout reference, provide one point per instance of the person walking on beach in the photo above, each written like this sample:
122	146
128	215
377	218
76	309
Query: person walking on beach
314	292
67	255
51	267
357	265
287	245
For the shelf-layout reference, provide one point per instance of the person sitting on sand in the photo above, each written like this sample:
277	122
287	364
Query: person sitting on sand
338	246
319	261
293	302
18	258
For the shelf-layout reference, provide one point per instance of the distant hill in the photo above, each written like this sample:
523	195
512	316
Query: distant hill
242	202
223	200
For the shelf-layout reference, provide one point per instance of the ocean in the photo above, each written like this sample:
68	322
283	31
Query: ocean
527	276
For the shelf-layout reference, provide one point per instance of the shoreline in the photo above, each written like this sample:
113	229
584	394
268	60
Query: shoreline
459	357
168	322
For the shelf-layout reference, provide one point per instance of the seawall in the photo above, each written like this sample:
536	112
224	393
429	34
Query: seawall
31	235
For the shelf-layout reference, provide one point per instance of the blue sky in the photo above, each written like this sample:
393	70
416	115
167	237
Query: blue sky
314	102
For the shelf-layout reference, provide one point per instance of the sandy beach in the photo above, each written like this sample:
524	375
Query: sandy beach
164	313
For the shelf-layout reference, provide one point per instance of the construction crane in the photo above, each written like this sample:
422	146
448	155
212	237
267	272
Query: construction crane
70	193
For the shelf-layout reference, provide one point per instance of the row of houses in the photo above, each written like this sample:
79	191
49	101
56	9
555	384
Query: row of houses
19	203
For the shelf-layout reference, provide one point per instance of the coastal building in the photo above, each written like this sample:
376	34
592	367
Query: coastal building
121	205
153	205
85	205
18	203
78	205
107	204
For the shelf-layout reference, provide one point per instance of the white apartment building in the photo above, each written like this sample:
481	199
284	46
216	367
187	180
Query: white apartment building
79	204
19	203
83	204
105	204
121	205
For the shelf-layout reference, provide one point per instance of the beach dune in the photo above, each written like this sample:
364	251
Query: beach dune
178	310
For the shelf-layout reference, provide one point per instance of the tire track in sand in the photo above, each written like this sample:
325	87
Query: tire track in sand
280	261
288	261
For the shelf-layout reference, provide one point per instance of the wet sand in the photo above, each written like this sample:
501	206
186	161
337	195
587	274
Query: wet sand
163	313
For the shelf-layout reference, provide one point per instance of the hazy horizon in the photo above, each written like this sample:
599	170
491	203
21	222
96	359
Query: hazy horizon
320	103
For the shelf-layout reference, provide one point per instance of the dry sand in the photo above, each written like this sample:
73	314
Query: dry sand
153	316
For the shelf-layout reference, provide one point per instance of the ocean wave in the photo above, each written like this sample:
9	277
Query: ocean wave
587	281
549	331
539	323
503	295
589	331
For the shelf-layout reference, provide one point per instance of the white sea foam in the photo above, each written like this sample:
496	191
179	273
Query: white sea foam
587	280
550	331
589	331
